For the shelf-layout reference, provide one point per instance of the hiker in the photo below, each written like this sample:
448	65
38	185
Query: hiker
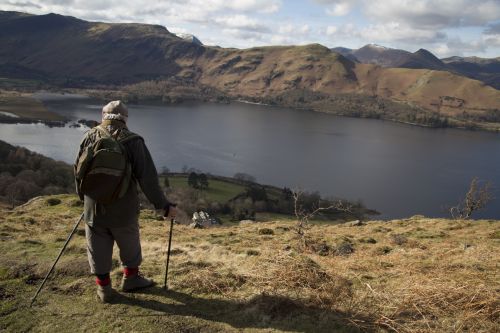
117	221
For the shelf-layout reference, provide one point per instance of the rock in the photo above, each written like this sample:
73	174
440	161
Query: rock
344	249
355	223
247	222
196	225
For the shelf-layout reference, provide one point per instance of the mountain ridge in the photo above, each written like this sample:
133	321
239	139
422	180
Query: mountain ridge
86	54
486	70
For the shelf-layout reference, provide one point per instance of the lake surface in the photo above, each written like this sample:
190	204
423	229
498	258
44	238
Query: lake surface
397	169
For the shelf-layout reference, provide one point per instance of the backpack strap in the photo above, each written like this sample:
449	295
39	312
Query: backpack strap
126	136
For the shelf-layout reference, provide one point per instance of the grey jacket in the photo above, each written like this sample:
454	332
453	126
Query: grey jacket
125	210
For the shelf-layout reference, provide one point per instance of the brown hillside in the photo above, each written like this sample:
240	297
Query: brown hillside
410	275
70	52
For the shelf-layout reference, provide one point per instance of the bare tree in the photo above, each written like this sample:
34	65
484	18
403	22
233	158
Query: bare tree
305	214
476	198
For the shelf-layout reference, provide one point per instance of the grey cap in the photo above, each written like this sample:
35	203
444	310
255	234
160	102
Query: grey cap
115	110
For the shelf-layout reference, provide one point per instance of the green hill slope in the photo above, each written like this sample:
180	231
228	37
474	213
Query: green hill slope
412	275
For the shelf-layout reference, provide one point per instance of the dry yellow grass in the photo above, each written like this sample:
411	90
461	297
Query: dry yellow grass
411	275
25	106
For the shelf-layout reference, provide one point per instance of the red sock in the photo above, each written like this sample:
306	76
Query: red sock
103	282
129	271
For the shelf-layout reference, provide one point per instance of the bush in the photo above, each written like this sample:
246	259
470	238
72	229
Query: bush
53	201
266	231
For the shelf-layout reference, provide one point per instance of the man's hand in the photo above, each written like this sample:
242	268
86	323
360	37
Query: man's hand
170	212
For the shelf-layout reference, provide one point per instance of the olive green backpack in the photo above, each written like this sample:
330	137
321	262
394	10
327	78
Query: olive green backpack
103	171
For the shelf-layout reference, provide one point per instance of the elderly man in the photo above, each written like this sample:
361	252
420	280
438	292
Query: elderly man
117	221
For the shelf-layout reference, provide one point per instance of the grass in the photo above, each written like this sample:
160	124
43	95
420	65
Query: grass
218	190
411	275
26	107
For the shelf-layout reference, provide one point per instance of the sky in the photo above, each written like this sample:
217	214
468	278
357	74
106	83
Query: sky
444	27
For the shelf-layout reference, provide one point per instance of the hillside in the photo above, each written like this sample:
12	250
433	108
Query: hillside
485	70
25	174
137	61
411	275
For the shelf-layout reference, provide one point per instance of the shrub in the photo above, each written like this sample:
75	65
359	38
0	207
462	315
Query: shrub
53	201
266	231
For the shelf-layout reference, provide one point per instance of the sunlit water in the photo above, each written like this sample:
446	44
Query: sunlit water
397	169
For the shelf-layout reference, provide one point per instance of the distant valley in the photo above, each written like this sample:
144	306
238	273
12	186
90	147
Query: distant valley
137	62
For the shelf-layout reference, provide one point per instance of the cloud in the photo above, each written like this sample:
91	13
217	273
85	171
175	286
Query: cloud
457	47
432	14
331	30
339	9
23	4
398	32
493	29
241	22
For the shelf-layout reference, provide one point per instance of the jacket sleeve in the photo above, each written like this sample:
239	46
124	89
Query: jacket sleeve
144	171
83	145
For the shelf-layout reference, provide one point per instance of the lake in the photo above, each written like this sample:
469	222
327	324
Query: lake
398	169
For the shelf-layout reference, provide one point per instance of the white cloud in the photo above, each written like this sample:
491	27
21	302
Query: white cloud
432	14
242	22
339	9
456	46
395	31
331	30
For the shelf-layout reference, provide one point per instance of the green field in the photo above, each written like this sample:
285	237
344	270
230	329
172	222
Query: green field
218	190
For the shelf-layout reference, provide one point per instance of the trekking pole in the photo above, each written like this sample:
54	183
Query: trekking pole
168	252
55	262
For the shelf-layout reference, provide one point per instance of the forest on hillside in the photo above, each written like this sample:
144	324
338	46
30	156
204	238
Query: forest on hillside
25	174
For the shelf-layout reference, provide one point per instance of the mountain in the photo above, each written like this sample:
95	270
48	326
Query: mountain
380	55
64	48
485	70
190	38
345	52
139	58
388	57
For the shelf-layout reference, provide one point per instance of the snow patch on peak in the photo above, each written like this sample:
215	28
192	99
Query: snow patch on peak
189	37
376	46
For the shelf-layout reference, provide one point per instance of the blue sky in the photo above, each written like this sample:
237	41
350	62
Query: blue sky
445	27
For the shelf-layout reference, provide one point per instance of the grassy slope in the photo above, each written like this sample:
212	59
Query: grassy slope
26	107
442	277
218	190
268	71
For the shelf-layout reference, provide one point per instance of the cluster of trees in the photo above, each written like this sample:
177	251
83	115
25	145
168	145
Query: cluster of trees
198	181
24	175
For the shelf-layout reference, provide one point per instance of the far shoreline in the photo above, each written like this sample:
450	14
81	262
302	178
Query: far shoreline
25	108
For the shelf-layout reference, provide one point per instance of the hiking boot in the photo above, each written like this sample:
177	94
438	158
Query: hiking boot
106	293
136	281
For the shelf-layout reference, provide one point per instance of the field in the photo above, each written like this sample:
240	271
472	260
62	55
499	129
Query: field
26	107
410	275
218	190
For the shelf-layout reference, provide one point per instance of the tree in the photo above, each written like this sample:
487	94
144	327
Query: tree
203	181
165	170
476	198
193	180
256	193
305	210
244	177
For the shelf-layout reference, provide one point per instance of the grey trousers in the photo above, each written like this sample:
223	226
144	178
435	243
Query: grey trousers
100	241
